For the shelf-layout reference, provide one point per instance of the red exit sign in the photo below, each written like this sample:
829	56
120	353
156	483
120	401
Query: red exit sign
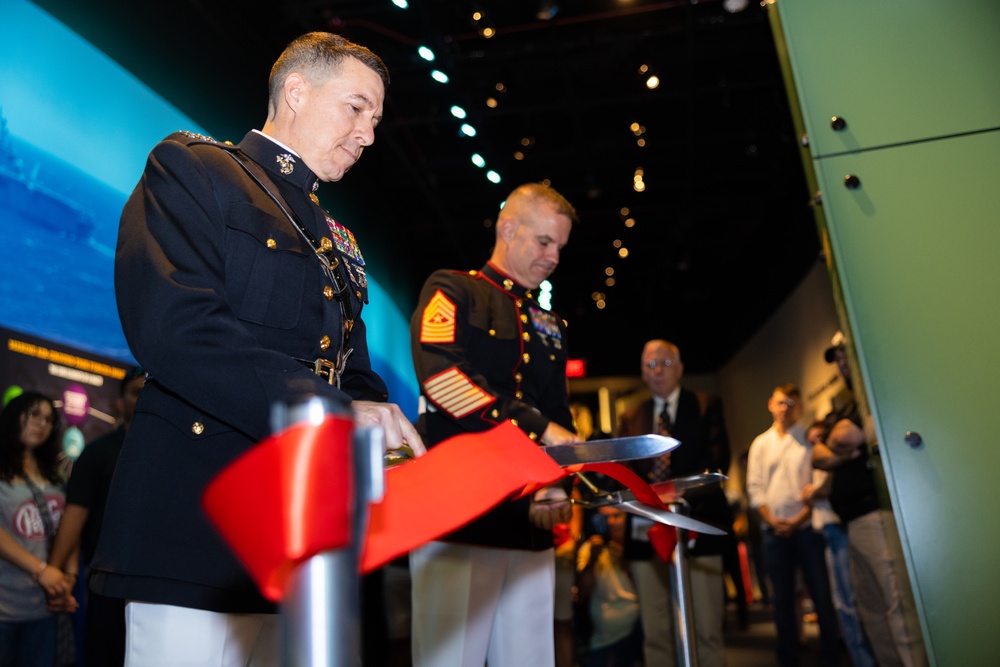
576	368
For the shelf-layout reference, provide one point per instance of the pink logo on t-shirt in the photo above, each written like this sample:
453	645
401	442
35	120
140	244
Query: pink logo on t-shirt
28	522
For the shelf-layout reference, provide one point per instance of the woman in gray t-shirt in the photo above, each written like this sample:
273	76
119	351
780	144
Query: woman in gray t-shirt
31	503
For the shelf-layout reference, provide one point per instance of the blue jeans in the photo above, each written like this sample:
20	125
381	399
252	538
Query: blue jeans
838	562
28	643
803	552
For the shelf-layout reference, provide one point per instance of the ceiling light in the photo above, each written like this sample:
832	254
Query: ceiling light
458	112
402	4
491	102
425	53
493	176
478	160
652	82
518	155
439	76
623	253
468	130
487	32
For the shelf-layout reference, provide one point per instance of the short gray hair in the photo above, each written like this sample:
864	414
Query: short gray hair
319	53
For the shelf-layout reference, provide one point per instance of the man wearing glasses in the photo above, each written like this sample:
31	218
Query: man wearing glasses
696	419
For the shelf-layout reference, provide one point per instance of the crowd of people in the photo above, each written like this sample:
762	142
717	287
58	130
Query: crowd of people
238	290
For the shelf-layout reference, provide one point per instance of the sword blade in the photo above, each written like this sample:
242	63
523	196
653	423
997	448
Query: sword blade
611	449
669	518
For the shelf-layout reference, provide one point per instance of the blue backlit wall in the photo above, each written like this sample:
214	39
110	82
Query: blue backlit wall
75	131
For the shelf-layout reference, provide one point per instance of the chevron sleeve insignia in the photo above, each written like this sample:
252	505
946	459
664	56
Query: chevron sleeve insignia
454	392
438	323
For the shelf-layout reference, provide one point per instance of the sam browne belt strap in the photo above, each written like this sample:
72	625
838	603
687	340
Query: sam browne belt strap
327	257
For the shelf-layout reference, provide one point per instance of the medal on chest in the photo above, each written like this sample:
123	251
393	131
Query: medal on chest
343	239
546	326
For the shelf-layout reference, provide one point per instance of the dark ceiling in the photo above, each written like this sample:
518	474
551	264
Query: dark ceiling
722	232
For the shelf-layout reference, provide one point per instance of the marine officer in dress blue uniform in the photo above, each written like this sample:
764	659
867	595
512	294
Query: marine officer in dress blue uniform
236	290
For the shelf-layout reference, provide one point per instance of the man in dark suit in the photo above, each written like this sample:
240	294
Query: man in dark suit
696	420
233	305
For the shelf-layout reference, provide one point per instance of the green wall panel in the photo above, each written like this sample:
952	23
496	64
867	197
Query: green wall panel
916	244
896	71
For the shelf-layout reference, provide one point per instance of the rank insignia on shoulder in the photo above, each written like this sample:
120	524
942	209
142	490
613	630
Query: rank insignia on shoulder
198	137
286	163
437	325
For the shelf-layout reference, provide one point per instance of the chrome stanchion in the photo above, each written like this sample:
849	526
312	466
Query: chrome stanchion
680	588
320	611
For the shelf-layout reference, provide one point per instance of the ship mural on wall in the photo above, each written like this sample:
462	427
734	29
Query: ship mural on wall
22	192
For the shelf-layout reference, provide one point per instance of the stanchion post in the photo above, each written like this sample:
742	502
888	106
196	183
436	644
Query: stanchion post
320	610
680	587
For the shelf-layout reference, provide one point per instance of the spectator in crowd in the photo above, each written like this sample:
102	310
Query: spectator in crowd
696	419
86	497
31	504
877	572
778	470
826	521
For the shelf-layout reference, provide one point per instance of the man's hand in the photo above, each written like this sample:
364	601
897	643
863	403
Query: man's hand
782	527
550	506
398	429
557	435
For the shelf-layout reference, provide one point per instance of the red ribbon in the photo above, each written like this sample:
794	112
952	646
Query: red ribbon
286	500
457	481
292	496
662	538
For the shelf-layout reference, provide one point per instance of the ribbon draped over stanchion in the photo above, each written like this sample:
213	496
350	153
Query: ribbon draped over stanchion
292	496
286	500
